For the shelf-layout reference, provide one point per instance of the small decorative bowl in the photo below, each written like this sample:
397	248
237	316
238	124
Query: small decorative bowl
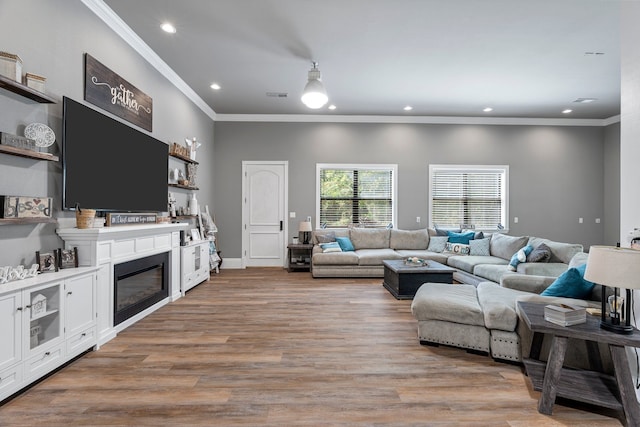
415	261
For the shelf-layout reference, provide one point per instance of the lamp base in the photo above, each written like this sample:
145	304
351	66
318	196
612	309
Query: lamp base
618	329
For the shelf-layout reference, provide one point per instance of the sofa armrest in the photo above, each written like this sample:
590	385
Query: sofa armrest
526	283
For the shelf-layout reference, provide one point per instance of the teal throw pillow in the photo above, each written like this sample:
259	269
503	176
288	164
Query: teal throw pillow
570	284
520	256
461	237
345	244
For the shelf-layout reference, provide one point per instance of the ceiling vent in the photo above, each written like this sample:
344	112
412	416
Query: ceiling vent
277	94
585	100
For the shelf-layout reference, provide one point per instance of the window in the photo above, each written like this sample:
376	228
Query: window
362	195
473	195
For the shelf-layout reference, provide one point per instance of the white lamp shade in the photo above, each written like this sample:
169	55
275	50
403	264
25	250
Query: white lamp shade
614	267
305	226
314	95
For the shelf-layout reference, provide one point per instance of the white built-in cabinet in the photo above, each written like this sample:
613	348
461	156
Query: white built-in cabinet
45	322
194	264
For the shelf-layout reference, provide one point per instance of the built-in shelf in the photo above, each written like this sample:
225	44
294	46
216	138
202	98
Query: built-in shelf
186	187
183	158
26	91
8	149
17	221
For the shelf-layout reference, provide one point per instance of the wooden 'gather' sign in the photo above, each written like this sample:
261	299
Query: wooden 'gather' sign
109	91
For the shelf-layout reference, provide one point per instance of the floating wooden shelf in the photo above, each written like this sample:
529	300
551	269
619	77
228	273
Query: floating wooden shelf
186	187
26	91
17	221
183	158
8	149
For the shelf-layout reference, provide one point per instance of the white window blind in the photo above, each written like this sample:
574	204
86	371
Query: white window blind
473	195
361	195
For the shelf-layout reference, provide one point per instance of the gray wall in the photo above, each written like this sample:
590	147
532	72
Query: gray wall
51	38
611	160
556	173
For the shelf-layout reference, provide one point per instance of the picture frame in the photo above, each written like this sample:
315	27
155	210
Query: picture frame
47	261
68	258
195	234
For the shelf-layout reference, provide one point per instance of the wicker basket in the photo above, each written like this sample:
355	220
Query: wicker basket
85	217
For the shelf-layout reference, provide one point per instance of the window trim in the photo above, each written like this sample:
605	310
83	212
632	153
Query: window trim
393	167
473	168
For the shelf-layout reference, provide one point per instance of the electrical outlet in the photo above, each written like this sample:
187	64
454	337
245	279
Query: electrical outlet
515	219
597	220
292	214
580	220
418	219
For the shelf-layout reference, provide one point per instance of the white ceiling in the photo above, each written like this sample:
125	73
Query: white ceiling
524	58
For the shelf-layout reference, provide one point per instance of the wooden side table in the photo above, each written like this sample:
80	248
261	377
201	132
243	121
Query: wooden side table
299	251
615	392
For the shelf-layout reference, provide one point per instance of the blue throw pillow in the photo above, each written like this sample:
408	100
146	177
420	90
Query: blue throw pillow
570	284
520	256
345	244
461	237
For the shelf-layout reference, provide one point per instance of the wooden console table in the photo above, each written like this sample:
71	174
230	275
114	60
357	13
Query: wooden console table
615	392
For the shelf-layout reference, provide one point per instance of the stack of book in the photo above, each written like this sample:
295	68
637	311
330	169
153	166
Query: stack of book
565	315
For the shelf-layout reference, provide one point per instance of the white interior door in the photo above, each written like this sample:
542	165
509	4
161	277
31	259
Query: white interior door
263	213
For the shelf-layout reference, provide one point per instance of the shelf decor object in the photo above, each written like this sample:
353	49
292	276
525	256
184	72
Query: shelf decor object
11	66
617	268
25	207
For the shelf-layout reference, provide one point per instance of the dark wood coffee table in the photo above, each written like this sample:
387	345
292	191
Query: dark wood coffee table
403	280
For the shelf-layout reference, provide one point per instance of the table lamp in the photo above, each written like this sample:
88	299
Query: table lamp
616	268
305	229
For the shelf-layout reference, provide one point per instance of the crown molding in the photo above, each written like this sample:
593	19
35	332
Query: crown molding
104	12
503	121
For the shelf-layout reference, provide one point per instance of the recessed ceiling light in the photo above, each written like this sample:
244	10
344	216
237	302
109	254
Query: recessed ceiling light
408	108
215	86
567	111
332	107
168	28
488	109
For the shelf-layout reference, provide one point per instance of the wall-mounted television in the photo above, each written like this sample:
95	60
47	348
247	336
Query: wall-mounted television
109	166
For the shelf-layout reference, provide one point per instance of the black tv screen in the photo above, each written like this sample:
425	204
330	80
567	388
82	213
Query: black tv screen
110	166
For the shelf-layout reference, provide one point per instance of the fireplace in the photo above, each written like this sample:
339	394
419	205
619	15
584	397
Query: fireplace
139	284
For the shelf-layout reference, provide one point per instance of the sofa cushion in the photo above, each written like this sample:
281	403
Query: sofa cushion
499	306
437	243
345	244
542	253
462	237
551	269
327	237
468	263
409	239
424	254
504	246
450	303
335	258
375	256
492	272
560	252
571	284
578	259
480	247
370	238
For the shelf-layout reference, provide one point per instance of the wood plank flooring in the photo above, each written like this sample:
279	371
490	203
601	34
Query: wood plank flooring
263	347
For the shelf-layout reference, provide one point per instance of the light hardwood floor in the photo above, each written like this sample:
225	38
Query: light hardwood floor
263	347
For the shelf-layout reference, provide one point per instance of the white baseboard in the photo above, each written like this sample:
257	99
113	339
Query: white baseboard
231	264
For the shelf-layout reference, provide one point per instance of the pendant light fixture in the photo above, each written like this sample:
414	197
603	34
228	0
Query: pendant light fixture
314	95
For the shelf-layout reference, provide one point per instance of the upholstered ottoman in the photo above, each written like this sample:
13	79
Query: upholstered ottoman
451	315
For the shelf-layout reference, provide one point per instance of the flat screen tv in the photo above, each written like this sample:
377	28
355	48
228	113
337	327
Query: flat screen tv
109	166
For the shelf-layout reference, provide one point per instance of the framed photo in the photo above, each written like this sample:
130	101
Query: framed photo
195	234
68	258
47	261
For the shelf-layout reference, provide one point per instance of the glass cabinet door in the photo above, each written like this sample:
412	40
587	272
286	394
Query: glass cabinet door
44	315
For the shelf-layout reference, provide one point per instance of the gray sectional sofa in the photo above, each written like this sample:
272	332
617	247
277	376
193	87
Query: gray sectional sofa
372	246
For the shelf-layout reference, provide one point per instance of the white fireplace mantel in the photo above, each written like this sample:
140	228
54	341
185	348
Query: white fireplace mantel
108	246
